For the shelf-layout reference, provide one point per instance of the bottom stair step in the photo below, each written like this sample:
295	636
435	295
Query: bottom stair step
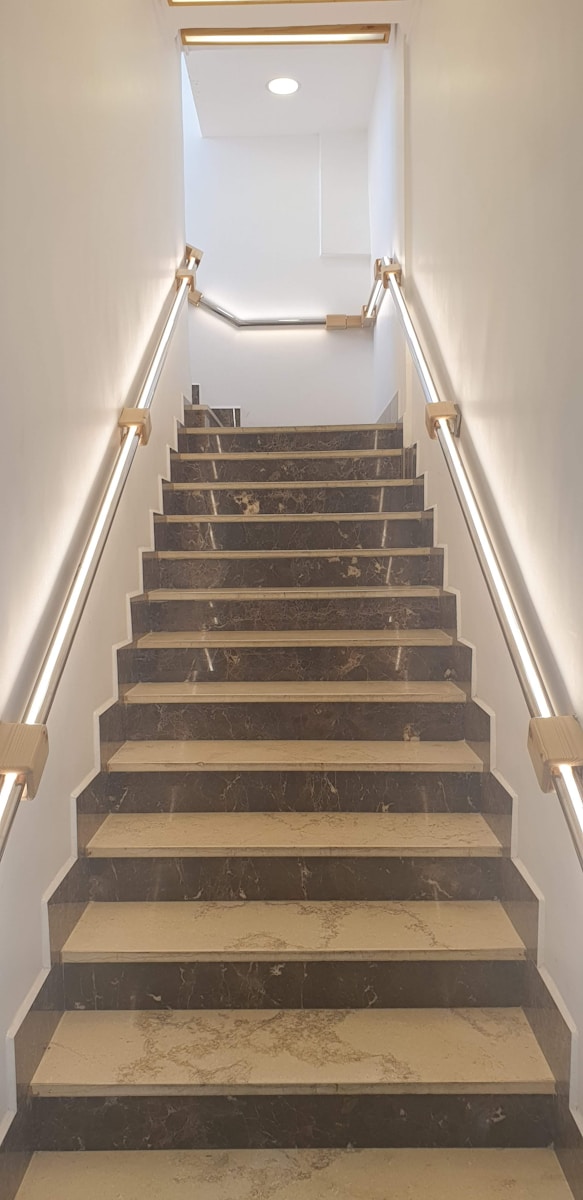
297	1175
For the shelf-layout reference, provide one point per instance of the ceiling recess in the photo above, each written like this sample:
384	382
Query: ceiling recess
296	35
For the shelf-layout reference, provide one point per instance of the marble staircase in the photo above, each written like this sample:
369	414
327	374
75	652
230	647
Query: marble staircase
294	957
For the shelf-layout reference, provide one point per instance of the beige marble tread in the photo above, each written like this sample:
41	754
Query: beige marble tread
299	428
161	595
269	638
285	485
298	756
272	455
296	1175
236	1051
272	834
268	518
298	692
328	555
177	931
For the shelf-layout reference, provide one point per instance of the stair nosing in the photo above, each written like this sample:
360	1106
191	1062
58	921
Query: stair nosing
506	945
298	638
372	592
294	692
233	1048
273	455
307	429
382	552
424	757
285	485
287	518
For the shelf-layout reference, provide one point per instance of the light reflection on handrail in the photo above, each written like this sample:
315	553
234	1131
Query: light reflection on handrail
41	699
536	693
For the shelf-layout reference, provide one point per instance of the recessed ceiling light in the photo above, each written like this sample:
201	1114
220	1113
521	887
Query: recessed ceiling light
283	87
314	35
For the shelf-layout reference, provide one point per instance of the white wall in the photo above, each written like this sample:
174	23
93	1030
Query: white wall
92	226
387	217
494	264
253	206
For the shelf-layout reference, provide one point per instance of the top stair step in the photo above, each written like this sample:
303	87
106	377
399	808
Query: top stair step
272	438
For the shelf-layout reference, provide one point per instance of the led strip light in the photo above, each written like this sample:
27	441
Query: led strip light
530	677
41	699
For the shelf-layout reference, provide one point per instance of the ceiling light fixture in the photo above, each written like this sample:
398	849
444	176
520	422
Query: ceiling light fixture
312	35
283	87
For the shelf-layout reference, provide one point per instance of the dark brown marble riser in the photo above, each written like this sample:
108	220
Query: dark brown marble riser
228	417
354	570
249	501
236	664
394	612
373	438
279	470
190	1122
290	878
317	534
290	791
277	984
201	417
355	721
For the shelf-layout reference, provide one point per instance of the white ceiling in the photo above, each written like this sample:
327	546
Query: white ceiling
337	86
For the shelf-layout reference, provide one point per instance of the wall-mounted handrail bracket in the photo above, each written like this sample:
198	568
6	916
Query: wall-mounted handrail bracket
387	270
137	418
188	273
554	742
193	252
335	321
445	410
23	752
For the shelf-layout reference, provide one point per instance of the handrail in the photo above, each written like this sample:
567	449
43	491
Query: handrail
40	701
259	322
537	693
335	322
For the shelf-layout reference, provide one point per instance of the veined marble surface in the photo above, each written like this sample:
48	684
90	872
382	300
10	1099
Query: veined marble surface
301	755
269	930
230	1052
297	1175
315	833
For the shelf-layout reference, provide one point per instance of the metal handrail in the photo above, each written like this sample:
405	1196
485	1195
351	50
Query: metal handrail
40	701
537	694
364	320
536	691
259	322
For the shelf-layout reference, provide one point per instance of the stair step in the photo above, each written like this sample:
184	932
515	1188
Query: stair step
294	485
298	755
293	466
287	931
313	438
308	430
324	1051
293	498
268	638
296	1175
283	455
271	834
297	692
285	518
292	531
326	555
162	595
412	566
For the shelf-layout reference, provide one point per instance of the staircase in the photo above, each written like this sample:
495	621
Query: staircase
294	951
